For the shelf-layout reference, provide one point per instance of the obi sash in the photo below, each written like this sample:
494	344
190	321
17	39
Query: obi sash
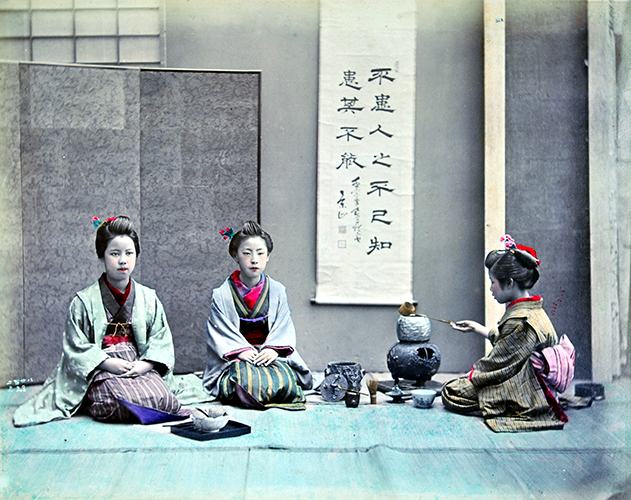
254	324
118	317
556	363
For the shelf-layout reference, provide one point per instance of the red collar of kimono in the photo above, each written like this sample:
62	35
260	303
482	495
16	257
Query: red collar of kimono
250	296
534	298
121	297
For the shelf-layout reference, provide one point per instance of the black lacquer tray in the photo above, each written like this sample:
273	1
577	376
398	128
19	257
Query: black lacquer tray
231	429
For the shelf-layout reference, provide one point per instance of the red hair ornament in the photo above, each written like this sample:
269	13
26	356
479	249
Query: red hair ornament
97	222
510	245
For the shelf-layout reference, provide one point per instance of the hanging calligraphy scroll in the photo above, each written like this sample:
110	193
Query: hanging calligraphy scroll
366	151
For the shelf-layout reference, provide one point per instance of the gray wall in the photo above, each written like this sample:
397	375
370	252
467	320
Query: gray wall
281	40
547	157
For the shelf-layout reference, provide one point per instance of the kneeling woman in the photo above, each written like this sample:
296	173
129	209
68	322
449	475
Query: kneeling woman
117	344
503	386
251	340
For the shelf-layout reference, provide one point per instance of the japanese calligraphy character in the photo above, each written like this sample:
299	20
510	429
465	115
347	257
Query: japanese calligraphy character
349	159
348	133
349	105
375	244
357	227
342	200
378	187
349	80
380	74
382	104
378	129
376	214
379	160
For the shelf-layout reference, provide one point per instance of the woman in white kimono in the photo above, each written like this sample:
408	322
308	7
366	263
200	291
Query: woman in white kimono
251	340
117	345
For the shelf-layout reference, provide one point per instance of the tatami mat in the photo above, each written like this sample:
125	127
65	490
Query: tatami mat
383	451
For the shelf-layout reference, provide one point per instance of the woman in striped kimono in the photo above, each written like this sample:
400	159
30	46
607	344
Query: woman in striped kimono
251	340
117	344
503	387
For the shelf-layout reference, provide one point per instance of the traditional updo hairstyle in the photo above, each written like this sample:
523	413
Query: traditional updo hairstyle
513	264
110	229
250	230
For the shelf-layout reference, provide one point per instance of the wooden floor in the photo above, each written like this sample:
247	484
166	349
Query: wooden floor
382	451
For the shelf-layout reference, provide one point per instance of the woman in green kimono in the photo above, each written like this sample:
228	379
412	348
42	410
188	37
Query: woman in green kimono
117	344
503	387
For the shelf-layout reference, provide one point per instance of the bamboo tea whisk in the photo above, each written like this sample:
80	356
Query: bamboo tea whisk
372	384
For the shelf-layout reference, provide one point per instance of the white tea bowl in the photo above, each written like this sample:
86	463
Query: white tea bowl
423	398
209	420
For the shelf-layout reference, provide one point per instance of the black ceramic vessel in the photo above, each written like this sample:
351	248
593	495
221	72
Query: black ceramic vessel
418	361
413	357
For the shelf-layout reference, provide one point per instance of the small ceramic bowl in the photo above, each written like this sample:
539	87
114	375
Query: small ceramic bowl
423	398
209	419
